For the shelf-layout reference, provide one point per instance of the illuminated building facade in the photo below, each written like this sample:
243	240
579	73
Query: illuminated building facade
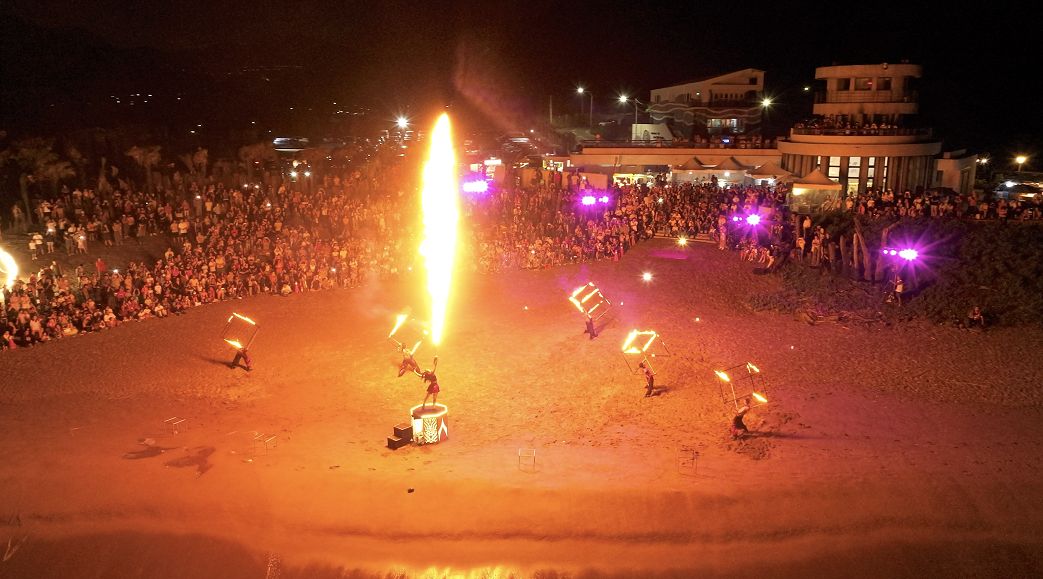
729	104
864	134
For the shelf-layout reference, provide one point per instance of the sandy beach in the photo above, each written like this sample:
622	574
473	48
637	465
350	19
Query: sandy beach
905	451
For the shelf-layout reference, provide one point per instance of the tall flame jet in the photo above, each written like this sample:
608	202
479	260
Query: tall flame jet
441	208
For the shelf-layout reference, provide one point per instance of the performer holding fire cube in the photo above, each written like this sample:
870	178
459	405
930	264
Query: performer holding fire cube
242	354
409	364
649	378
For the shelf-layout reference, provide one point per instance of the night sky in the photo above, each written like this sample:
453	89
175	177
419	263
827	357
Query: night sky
506	60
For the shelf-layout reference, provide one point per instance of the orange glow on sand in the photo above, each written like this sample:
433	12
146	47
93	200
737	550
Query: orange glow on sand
441	214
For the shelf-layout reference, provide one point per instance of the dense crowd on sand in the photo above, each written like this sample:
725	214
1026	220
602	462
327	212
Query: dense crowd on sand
228	242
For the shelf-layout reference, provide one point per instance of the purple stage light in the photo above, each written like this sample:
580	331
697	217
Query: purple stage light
587	200
753	219
476	186
908	254
736	218
603	199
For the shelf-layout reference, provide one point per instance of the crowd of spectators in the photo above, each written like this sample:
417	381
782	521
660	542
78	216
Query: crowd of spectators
229	242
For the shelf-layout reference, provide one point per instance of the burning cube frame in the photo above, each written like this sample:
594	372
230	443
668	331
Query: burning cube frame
589	300
746	375
239	331
640	346
400	320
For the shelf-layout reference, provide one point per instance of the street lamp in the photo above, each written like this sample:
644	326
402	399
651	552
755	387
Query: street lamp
623	99
1020	160
766	102
402	122
581	91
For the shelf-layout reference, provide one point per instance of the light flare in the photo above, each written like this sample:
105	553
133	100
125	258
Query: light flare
8	269
760	398
722	375
441	211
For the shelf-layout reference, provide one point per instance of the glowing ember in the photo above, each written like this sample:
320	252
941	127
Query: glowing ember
760	398
647	276
722	375
441	209
8	269
399	320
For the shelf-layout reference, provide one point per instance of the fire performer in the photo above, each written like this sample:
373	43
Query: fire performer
432	386
409	364
738	426
590	328
649	378
242	354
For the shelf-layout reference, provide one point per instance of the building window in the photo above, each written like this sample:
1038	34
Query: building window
833	172
864	83
883	83
843	84
854	161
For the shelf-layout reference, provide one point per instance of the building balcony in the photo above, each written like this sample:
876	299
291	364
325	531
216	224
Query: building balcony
922	133
866	96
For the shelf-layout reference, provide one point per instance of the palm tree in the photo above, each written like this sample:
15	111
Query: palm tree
146	158
36	161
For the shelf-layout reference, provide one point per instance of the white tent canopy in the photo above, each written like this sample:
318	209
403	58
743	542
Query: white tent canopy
816	180
770	170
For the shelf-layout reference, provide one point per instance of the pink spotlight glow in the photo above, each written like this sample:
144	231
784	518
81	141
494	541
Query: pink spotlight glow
753	219
603	199
476	186
587	200
736	218
908	254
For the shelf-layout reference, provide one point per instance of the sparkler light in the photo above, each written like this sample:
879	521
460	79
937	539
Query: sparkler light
8	269
441	208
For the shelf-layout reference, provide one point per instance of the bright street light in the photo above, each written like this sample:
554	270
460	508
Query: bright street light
582	91
623	99
1020	160
402	122
766	102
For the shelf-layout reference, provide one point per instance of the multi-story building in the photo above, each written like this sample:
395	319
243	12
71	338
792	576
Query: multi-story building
864	133
729	104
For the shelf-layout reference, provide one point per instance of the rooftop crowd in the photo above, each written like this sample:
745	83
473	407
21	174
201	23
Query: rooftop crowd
227	242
